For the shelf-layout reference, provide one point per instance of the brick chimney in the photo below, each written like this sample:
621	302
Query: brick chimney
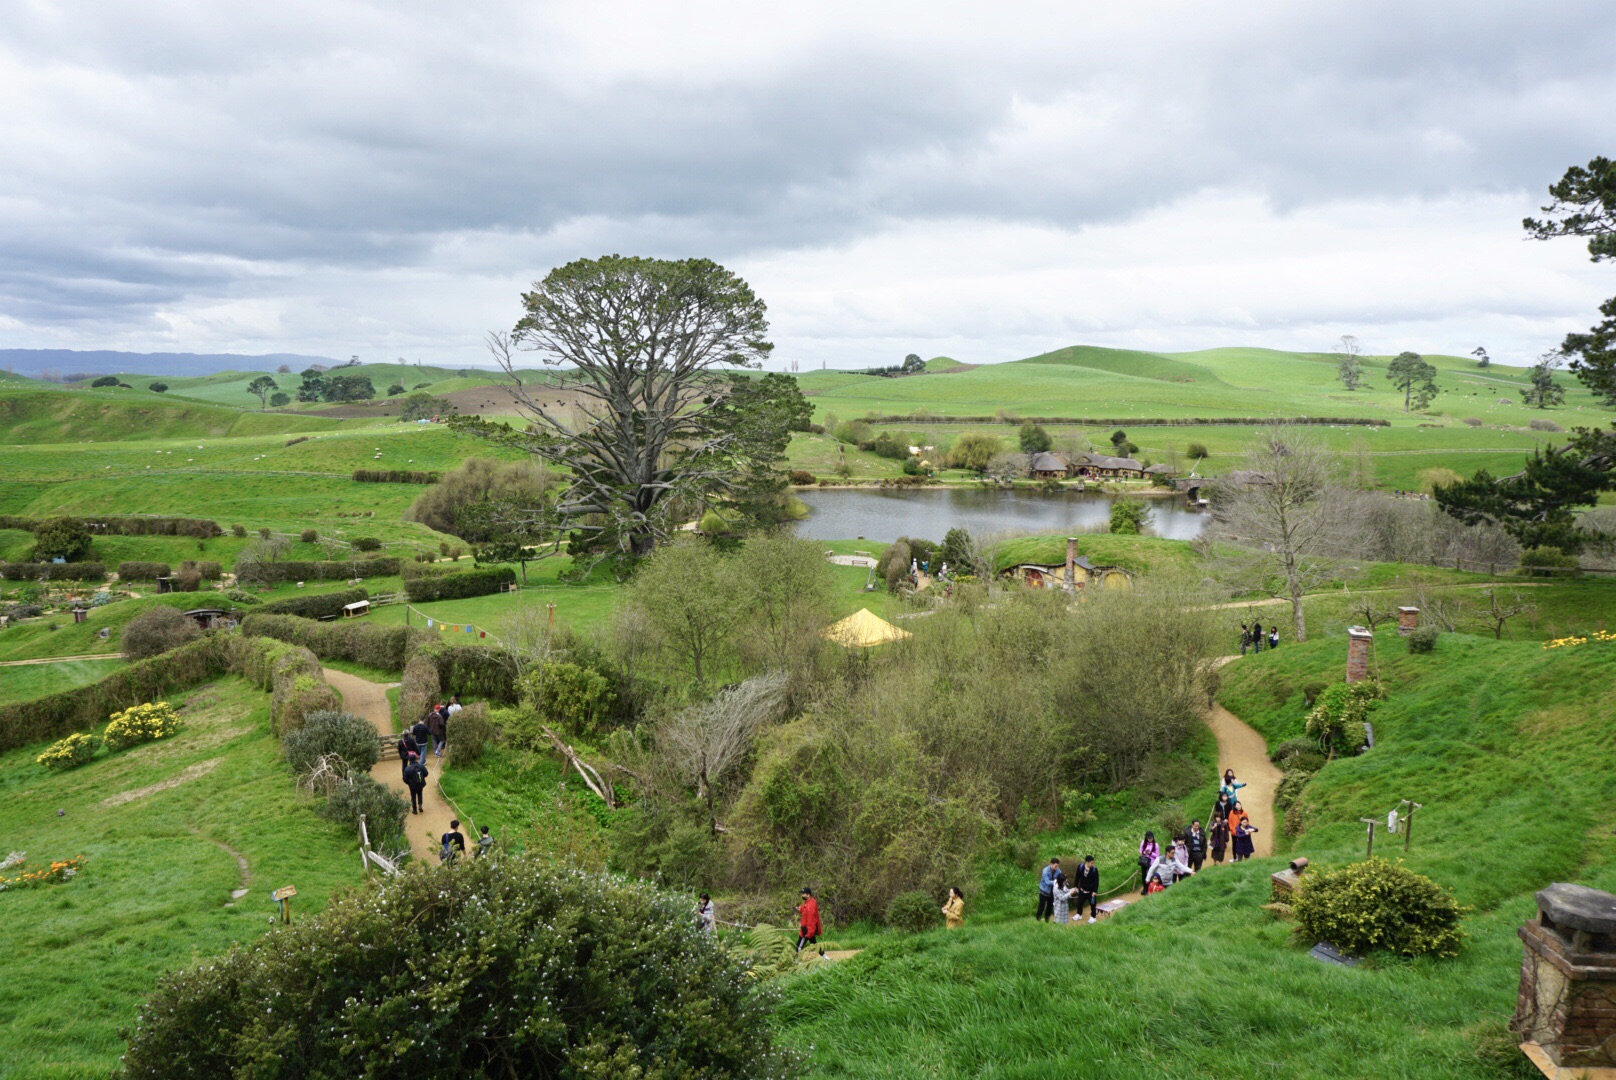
1071	562
1565	1012
1358	642
1408	619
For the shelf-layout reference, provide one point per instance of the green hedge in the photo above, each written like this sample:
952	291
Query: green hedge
73	571
395	476
1148	421
479	582
128	526
315	605
354	640
210	571
473	671
330	571
143	571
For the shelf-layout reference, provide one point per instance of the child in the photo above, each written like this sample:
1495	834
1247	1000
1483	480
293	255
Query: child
1061	897
1149	853
485	843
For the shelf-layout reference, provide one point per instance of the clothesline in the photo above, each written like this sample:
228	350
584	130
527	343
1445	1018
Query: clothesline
447	627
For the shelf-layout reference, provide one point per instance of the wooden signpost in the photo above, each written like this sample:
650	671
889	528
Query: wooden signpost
283	897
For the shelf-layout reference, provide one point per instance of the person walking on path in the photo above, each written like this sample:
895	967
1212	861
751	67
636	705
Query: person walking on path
485	844
423	734
437	724
1257	635
1220	809
1237	815
406	747
1088	887
1230	786
1046	890
706	917
1245	638
1149	852
1218	839
808	926
415	775
454	843
1195	843
954	909
1243	847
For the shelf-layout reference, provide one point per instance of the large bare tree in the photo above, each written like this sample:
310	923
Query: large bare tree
1286	510
706	742
640	414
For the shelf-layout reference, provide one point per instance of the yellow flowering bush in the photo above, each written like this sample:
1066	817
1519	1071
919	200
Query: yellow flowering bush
142	723
1564	642
66	753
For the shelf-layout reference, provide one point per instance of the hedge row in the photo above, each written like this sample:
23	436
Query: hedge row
128	526
314	606
329	571
472	671
419	690
395	476
358	642
478	582
143	571
1128	422
33	571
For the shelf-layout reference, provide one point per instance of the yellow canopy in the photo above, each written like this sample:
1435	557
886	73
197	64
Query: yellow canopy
862	629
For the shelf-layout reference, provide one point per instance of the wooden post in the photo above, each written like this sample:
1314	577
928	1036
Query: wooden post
1371	822
551	606
283	897
364	845
1408	829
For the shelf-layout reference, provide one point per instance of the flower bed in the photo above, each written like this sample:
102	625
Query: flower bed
14	872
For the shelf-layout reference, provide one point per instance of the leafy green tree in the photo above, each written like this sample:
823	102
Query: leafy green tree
1482	359
1583	203
789	590
396	389
349	388
105	380
312	387
158	387
518	489
1544	391
647	343
913	362
750	429
975	451
1537	506
1129	517
278	399
261	388
1409	372
61	538
419	406
507	531
1034	439
688	590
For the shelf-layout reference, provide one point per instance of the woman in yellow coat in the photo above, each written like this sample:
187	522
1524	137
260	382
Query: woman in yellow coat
954	910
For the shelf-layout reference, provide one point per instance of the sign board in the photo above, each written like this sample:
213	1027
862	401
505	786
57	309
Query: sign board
286	893
1326	953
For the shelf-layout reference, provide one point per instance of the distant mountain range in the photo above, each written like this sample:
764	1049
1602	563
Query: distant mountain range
38	362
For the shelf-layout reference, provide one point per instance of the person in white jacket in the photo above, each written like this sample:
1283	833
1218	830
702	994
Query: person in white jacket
1168	868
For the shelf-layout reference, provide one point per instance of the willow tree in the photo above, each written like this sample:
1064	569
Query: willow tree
642	416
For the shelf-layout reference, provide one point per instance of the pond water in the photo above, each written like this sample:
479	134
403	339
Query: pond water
885	514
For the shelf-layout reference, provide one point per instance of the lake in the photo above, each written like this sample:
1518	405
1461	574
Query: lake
884	514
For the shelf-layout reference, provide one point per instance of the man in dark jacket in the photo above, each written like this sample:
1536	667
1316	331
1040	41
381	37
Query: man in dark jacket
423	735
407	746
454	843
1195	843
437	723
415	775
1088	888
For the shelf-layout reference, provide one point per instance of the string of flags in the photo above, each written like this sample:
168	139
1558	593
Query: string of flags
443	627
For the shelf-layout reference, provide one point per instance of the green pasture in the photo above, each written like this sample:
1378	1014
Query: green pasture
160	864
113	414
37	680
59	635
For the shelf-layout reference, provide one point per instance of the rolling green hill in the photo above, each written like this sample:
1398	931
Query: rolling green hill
48	414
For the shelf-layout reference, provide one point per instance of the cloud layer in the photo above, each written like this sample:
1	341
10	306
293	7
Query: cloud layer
983	180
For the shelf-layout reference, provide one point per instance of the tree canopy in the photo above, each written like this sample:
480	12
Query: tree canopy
1583	203
655	415
1537	505
1544	391
261	388
1410	373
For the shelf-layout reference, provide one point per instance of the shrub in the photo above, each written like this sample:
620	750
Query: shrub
1378	905
1541	561
1336	722
914	911
470	733
339	570
366	543
186	581
1129	517
1473	421
143	571
350	737
474	671
243	597
574	698
105	380
395	476
1196	450
1290	788
1544	425
61	538
803	476
614	980
361	642
294	442
420	688
298	688
70	752
382	808
142	723
1423	639
210	571
1311	691
72	571
479	582
156	631
316	605
309	536
238	530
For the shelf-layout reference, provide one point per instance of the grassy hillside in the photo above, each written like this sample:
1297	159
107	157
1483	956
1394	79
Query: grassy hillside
1507	745
160	827
55	415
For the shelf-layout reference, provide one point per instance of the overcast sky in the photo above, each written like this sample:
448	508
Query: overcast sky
982	180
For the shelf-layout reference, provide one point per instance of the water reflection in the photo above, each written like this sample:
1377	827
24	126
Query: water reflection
884	514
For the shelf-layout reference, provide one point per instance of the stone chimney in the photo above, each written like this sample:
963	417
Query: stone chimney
1565	1013
1408	618
1359	641
1071	562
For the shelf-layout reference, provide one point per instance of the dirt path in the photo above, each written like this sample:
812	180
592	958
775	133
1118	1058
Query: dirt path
1277	601
1242	749
369	700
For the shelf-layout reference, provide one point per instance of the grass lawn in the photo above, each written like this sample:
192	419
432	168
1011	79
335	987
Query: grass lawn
37	680
82	956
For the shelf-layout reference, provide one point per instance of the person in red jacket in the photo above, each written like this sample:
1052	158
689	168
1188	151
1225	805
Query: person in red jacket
808	927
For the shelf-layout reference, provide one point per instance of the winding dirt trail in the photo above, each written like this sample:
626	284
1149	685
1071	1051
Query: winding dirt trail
1242	749
424	830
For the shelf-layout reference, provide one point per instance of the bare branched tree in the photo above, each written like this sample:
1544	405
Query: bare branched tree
1370	610
1500	609
1286	510
707	742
